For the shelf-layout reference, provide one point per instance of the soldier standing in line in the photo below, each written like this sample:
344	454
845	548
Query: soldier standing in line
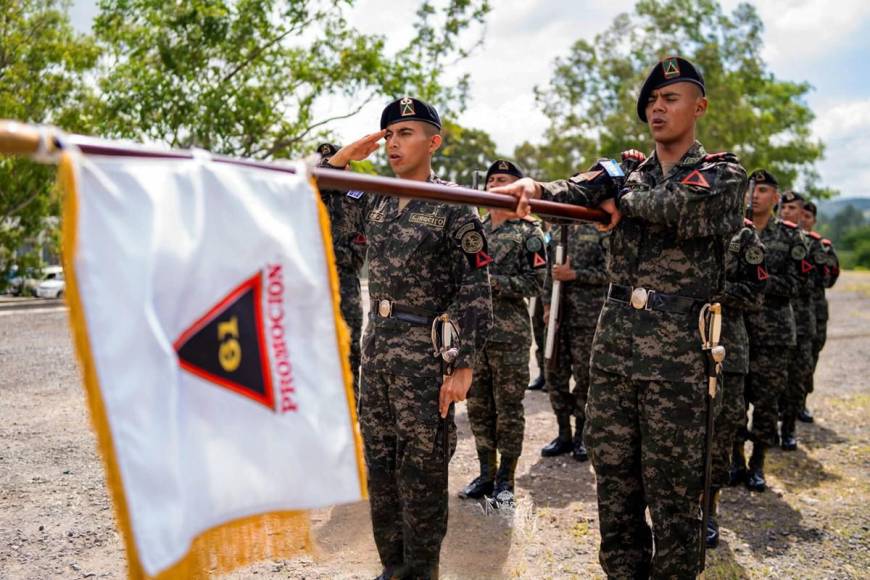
826	260
584	287
349	246
501	372
426	259
745	281
800	367
771	330
645	416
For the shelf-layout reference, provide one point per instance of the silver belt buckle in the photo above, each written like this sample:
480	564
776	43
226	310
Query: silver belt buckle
385	308
639	297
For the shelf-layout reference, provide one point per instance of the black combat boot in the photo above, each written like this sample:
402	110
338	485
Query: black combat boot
755	478
503	494
579	448
392	573
789	439
737	474
481	485
538	384
805	416
712	521
561	444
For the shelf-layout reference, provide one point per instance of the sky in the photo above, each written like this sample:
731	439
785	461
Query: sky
824	43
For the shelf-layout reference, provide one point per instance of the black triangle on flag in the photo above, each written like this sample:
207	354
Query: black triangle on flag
227	345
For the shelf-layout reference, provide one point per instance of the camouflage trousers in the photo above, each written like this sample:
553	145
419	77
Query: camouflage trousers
800	377
351	311
575	347
730	419
407	450
495	401
765	384
539	332
645	440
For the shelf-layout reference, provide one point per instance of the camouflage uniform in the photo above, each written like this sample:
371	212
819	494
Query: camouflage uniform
828	264
772	332
349	247
501	372
745	281
582	300
427	259
800	368
645	413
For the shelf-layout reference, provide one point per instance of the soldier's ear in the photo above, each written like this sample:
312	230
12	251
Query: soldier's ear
435	143
701	107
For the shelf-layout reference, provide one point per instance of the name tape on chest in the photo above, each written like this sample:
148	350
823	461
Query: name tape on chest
428	219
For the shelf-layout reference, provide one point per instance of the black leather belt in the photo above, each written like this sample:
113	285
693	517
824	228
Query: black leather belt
409	314
644	299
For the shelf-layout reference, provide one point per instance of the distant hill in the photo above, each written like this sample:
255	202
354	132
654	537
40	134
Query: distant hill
831	207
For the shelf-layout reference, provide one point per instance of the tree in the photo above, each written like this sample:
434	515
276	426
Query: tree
250	77
591	99
42	65
463	152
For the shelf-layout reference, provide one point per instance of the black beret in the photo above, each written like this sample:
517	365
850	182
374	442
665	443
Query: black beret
409	109
670	70
502	166
763	176
811	207
791	197
327	150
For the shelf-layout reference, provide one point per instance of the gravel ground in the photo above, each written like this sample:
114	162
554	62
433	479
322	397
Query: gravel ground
56	520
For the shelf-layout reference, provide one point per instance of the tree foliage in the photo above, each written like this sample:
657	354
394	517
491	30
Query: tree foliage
463	151
591	99
42	65
251	77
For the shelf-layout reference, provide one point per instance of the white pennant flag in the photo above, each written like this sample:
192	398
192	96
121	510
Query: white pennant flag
204	304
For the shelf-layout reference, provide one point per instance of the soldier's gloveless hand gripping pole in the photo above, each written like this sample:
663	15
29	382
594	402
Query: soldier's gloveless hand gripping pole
44	142
710	328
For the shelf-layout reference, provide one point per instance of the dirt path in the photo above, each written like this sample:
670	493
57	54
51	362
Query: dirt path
56	521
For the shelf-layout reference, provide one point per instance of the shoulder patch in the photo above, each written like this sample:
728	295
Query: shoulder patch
789	224
798	252
722	156
754	255
472	241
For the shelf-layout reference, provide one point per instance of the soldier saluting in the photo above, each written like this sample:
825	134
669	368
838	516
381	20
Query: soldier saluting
645	415
427	259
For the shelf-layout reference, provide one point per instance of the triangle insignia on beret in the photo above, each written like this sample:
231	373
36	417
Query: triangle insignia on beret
697	179
503	165
406	107
671	68
324	150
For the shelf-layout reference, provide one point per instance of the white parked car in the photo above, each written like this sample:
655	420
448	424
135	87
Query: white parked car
53	284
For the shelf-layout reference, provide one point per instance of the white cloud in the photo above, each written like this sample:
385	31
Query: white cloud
845	128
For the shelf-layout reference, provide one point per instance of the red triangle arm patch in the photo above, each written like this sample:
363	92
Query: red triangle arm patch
762	273
538	261
481	259
697	179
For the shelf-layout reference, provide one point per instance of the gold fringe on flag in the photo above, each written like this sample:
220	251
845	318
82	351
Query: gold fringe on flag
233	544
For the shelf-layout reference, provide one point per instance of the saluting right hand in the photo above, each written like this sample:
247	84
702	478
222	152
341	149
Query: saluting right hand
358	150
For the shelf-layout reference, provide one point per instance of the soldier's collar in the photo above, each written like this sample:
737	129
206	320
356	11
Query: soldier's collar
690	158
